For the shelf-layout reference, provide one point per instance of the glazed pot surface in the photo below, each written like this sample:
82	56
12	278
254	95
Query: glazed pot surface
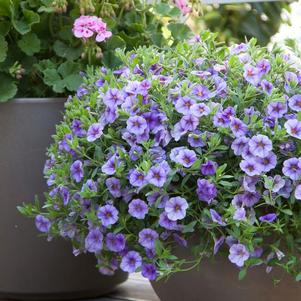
217	280
31	267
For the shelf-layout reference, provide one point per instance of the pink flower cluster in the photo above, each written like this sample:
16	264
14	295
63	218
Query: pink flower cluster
85	27
183	6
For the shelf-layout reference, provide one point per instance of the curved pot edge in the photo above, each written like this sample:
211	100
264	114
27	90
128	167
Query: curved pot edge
25	100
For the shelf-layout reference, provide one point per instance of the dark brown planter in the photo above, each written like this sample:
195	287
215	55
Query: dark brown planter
217	280
31	267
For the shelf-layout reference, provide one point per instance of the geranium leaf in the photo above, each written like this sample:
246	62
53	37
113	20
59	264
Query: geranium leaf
30	44
8	88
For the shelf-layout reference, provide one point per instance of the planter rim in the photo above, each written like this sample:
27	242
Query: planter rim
36	100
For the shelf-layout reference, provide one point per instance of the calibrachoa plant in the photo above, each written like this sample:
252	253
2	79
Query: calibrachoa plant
196	146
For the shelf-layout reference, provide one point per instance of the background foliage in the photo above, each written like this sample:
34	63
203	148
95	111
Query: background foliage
48	58
44	58
235	22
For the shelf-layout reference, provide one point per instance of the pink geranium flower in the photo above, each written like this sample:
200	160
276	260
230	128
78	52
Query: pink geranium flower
183	6
85	27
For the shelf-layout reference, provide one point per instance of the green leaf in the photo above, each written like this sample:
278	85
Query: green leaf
115	42
299	116
65	77
5	8
162	8
179	31
287	211
167	10
242	274
298	277
65	51
189	228
68	68
4	27
53	79
72	82
110	60
30	44
8	88
24	24
3	49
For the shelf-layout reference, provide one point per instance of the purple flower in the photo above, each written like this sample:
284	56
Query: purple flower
157	154
249	199
237	201
260	145
293	128
149	271
147	238
298	192
91	185
217	244
136	125
199	110
112	98
94	132
206	191
251	167
77	171
195	139
189	122
113	184
42	223
184	104
229	113
238	48
287	147
239	145
137	178
238	127
269	218
216	217
179	240
77	128
276	109
138	208
249	183
99	82
115	242
109	167
277	183
186	157
110	114
264	66
244	58
286	190
201	92
292	168
266	86
131	262
240	214
176	208
157	176
208	168
220	120
51	180
94	241
252	75
166	223
177	132
268	163
238	254
108	215
295	102
65	194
